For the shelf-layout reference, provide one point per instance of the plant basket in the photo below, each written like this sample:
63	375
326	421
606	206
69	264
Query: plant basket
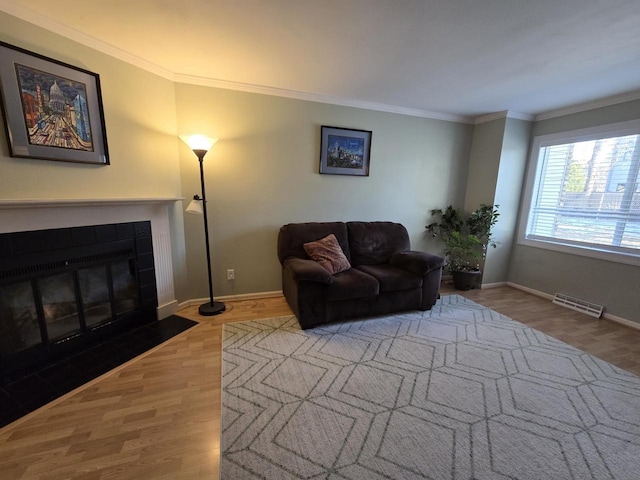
466	280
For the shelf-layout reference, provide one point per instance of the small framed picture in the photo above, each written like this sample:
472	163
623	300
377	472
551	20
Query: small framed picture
345	151
52	110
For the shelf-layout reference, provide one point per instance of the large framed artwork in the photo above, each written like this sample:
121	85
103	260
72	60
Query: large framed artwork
52	110
345	151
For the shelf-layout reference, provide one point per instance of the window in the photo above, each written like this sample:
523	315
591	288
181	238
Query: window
583	193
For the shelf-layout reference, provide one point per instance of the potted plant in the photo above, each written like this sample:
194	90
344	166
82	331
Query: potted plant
481	222
465	241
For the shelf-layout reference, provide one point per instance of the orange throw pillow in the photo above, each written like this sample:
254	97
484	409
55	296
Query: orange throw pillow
328	253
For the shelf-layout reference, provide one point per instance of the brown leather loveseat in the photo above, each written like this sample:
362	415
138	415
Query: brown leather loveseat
384	276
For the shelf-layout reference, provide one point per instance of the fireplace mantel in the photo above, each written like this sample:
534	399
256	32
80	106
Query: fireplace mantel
18	215
84	202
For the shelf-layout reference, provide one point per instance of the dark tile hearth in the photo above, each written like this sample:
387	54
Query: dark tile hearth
25	392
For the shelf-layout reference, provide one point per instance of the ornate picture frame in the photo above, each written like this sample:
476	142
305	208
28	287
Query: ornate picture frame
345	151
52	110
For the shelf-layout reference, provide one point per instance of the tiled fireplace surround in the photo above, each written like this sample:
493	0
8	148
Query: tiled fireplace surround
42	214
25	394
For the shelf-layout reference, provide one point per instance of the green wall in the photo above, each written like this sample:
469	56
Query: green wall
496	168
140	118
263	173
484	163
603	282
139	110
513	159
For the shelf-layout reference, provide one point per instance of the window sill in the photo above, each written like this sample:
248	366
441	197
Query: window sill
582	251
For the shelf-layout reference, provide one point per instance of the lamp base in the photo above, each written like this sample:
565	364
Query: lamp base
208	309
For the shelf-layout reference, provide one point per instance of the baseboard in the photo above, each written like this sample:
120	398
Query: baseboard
167	309
532	291
486	286
622	321
448	280
606	316
232	298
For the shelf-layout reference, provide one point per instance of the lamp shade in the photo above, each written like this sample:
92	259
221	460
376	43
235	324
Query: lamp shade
195	206
199	142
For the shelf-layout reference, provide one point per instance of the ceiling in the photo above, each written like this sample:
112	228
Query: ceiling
438	58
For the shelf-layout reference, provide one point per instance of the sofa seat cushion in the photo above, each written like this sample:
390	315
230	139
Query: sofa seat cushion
391	278
351	283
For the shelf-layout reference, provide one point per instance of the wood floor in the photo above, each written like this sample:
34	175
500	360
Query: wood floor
158	417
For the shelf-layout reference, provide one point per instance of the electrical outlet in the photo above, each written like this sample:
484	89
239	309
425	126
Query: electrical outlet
231	274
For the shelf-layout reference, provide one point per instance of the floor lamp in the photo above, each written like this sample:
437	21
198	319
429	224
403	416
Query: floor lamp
200	145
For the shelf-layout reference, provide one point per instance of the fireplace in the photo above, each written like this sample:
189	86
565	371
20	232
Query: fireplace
65	288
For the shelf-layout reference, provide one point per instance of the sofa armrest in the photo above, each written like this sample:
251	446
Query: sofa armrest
307	271
419	263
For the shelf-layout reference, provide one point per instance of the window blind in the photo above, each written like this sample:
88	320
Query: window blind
587	193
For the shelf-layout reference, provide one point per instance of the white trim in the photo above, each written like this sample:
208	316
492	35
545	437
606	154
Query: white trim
590	133
232	298
249	296
83	202
537	293
521	116
490	117
596	251
167	309
319	98
583	107
602	252
622	321
547	296
58	28
488	286
54	26
503	114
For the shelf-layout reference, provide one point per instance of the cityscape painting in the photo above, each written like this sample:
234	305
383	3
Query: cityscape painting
345	151
52	110
55	110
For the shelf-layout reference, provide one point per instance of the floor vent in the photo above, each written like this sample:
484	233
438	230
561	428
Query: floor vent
578	305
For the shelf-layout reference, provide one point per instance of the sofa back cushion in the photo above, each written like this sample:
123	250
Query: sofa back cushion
293	236
374	243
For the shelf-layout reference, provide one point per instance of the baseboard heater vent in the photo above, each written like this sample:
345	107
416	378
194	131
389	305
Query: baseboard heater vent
578	305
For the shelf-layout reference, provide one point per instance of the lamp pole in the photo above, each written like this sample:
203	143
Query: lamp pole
200	145
212	308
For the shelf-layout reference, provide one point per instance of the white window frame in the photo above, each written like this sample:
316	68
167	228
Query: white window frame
614	254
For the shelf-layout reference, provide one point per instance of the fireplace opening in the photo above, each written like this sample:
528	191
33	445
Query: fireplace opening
63	289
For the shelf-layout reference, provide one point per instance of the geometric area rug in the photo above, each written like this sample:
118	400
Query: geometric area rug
457	392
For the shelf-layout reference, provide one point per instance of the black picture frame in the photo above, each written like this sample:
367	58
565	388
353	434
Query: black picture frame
52	110
345	151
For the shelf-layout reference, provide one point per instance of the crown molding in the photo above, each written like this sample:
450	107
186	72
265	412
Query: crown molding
87	40
583	107
503	114
314	97
527	117
58	28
